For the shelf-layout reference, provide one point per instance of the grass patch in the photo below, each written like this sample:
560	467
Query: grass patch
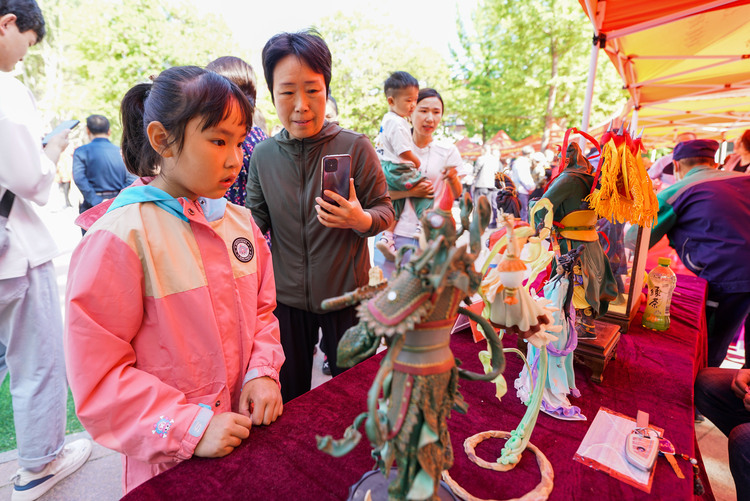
8	429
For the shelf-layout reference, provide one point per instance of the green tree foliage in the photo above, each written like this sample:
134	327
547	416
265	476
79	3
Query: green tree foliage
98	49
364	54
523	65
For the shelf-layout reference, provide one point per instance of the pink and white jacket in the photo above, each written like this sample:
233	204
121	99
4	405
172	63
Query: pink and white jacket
168	315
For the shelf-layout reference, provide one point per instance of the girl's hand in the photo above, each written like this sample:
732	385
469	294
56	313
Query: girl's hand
224	432
349	213
423	189
261	401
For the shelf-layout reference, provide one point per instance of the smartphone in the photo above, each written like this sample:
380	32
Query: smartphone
335	174
66	125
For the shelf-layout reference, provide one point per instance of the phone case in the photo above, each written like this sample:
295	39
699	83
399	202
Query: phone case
335	180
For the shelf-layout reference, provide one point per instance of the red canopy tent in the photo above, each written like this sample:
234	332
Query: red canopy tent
467	149
675	49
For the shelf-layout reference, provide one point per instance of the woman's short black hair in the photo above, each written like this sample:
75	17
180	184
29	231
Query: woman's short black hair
305	45
428	92
28	16
175	97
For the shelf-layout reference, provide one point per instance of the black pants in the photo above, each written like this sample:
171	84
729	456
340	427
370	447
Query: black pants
723	321
716	400
299	335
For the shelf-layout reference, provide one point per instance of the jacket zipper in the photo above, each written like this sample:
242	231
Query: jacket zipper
303	219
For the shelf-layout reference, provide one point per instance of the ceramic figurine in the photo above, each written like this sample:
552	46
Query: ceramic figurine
575	225
560	380
513	308
417	383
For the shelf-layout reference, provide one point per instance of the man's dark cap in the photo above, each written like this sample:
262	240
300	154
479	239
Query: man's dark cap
695	148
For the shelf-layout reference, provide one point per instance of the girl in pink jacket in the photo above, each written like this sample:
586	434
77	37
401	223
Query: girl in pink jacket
171	344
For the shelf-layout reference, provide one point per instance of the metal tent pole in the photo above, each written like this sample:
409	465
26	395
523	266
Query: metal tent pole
589	88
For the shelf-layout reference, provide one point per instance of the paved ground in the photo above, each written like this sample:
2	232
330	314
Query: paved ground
99	479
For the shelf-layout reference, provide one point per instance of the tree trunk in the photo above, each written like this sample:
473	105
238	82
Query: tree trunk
551	95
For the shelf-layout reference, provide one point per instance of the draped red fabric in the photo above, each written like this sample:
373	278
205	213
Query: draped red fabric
653	372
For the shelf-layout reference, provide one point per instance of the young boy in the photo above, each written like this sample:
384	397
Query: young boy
29	308
394	147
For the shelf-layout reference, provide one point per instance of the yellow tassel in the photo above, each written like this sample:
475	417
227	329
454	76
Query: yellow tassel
626	192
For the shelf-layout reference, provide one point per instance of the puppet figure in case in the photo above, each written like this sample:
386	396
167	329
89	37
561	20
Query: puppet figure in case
417	383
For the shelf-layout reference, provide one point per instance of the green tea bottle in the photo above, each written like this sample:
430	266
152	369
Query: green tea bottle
661	283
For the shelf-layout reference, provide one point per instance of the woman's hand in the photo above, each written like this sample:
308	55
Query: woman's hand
224	433
347	215
423	189
261	401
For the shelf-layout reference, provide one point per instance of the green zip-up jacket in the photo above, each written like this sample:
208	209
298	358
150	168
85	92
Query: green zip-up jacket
310	261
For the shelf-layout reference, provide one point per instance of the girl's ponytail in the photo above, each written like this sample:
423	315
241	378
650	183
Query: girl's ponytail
140	158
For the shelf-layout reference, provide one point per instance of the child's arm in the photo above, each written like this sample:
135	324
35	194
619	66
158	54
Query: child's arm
123	407
225	432
261	397
409	156
261	400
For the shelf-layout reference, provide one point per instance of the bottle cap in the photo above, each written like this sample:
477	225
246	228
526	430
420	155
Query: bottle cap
664	261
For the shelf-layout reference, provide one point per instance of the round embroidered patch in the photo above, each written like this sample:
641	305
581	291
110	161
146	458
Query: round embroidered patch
243	249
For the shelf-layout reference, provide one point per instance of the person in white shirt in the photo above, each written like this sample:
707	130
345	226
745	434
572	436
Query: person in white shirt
485	170
437	159
31	334
523	179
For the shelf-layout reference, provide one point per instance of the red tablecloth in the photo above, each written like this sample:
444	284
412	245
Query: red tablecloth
653	372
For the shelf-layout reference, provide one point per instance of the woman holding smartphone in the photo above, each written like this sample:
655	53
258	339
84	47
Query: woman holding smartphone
437	157
319	249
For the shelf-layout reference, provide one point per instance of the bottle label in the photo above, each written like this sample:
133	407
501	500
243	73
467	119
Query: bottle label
655	301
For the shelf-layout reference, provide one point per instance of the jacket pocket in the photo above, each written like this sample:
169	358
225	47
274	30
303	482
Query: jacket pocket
214	395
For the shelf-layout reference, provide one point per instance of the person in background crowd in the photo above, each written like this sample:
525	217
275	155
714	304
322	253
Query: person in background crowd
98	169
466	174
242	74
662	171
332	110
523	179
485	169
723	396
740	159
31	327
706	215
539	171
319	249
172	347
507	196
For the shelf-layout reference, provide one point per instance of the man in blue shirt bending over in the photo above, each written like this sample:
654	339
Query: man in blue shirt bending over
706	216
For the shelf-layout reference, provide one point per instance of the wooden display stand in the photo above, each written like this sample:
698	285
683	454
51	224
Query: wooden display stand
596	353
